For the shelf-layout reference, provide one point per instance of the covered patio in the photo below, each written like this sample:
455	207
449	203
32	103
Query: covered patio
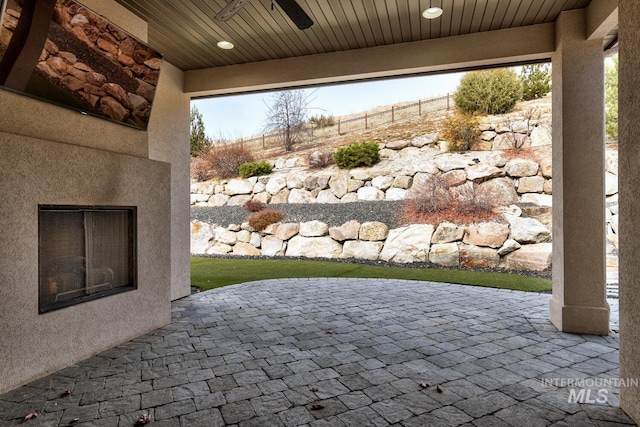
340	352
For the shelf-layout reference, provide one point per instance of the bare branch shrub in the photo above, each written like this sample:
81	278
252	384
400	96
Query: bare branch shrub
433	201
253	206
519	131
287	115
225	160
320	159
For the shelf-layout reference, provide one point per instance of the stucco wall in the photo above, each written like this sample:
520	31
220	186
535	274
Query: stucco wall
34	172
169	129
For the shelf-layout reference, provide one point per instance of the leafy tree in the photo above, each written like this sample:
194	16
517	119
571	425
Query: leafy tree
287	115
199	141
611	98
536	81
488	91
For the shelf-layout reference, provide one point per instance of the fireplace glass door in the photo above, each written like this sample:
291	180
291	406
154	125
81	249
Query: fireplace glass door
85	253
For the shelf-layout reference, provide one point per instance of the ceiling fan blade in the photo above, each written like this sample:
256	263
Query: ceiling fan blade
230	9
295	13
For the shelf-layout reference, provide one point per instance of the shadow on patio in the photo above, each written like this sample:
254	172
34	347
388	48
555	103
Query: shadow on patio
334	352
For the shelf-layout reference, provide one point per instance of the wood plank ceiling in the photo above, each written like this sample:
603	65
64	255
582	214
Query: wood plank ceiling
186	33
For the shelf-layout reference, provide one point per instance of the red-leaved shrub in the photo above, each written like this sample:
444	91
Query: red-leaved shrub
261	220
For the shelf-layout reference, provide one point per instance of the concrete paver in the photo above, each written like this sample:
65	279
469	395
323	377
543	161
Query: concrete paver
341	352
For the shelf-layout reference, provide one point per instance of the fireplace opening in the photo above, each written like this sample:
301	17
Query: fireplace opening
85	253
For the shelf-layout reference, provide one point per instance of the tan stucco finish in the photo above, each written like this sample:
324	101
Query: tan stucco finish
579	302
629	186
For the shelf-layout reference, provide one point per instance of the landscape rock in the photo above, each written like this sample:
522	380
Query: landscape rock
281	197
238	200
454	178
287	230
538	199
245	249
294	181
408	244
447	162
238	186
373	231
531	184
611	184
201	235
483	172
361	250
243	236
521	167
219	249
297	195
327	196
477	257
499	191
222	235
313	229
402	181
447	232
339	184
527	230
354	184
347	231
509	246
491	234
370	193
313	247
421	141
314	182
349	198
272	246
535	257
256	240
445	254
398	145
276	184
396	194
382	182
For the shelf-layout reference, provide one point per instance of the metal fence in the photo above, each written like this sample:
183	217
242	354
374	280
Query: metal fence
344	125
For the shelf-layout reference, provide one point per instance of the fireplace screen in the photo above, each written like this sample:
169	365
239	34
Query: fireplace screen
85	253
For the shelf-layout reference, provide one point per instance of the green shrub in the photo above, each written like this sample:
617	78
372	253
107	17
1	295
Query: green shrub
460	130
255	169
611	98
354	155
488	92
261	220
536	81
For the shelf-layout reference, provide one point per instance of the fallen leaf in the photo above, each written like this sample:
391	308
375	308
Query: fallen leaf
329	332
67	392
75	420
30	416
425	385
439	389
314	389
317	406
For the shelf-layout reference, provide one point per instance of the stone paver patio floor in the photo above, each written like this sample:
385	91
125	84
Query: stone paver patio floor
338	352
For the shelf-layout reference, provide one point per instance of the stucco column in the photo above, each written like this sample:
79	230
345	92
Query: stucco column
579	303
629	188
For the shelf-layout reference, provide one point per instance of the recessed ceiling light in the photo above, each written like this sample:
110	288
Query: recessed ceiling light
223	44
432	13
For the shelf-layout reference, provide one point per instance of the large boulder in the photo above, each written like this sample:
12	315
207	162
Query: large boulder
445	254
339	184
361	250
530	257
483	172
396	194
272	246
382	182
287	230
201	235
313	247
245	249
238	186
313	229
521	167
276	184
447	232
531	184
300	196
370	193
373	231
408	244
527	230
499	191
225	236
491	234
472	256
347	231
327	196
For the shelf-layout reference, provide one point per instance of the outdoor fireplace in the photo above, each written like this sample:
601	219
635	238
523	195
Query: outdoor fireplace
85	253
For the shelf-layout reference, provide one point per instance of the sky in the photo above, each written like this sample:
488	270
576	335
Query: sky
237	116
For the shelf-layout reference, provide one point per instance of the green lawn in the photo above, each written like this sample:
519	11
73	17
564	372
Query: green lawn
210	273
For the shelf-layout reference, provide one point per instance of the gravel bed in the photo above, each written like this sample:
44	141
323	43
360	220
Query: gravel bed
332	214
